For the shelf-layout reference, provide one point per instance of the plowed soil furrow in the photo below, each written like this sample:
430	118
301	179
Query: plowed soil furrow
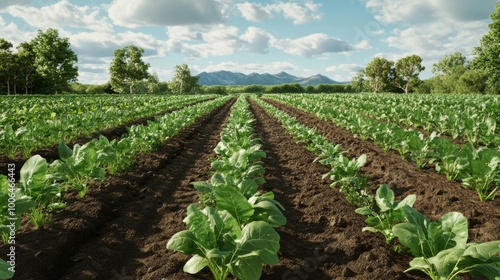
322	238
435	194
120	229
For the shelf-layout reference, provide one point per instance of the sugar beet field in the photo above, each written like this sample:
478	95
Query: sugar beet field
106	202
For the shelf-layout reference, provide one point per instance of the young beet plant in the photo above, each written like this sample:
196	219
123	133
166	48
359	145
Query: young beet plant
219	243
390	212
441	250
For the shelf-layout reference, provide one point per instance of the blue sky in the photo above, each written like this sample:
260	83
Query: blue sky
303	37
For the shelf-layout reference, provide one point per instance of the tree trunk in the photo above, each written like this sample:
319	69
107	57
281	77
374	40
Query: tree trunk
8	86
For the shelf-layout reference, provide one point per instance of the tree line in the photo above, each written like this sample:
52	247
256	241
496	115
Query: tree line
44	64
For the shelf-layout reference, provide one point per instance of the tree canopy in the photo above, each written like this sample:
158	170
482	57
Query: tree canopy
54	58
128	69
488	53
183	82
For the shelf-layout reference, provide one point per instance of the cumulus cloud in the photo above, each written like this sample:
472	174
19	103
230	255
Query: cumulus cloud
313	45
102	44
254	12
135	13
299	14
257	40
344	72
59	15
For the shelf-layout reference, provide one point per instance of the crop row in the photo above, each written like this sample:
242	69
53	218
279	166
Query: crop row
30	123
344	171
475	168
473	118
42	185
440	248
232	229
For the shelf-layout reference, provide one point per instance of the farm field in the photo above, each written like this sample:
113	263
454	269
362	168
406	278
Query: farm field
120	228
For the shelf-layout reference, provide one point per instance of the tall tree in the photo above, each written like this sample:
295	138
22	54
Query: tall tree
448	71
359	81
7	62
380	73
127	68
55	60
26	64
488	53
183	82
407	71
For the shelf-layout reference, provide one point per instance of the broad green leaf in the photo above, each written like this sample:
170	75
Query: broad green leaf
33	173
409	200
5	272
260	239
268	212
64	151
229	198
195	264
384	198
249	268
454	233
183	241
199	225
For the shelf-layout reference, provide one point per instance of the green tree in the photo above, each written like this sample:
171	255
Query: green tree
183	82
55	60
358	82
380	73
26	63
488	53
448	71
7	62
127	68
407	71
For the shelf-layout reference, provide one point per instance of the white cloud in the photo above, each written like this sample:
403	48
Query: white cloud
256	40
15	35
299	14
254	12
59	15
344	72
102	44
136	13
313	45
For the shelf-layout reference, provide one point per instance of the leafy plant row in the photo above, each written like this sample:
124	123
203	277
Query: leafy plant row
344	171
440	248
29	123
475	168
231	231
42	185
471	118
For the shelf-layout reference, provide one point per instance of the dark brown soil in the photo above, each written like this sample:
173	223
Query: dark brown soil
120	229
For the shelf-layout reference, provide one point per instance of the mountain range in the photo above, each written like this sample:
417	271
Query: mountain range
225	78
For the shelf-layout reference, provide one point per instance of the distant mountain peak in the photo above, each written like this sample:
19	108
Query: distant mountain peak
224	77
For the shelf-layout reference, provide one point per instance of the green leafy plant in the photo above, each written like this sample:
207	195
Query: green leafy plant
483	173
77	167
218	242
441	250
390	212
6	271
